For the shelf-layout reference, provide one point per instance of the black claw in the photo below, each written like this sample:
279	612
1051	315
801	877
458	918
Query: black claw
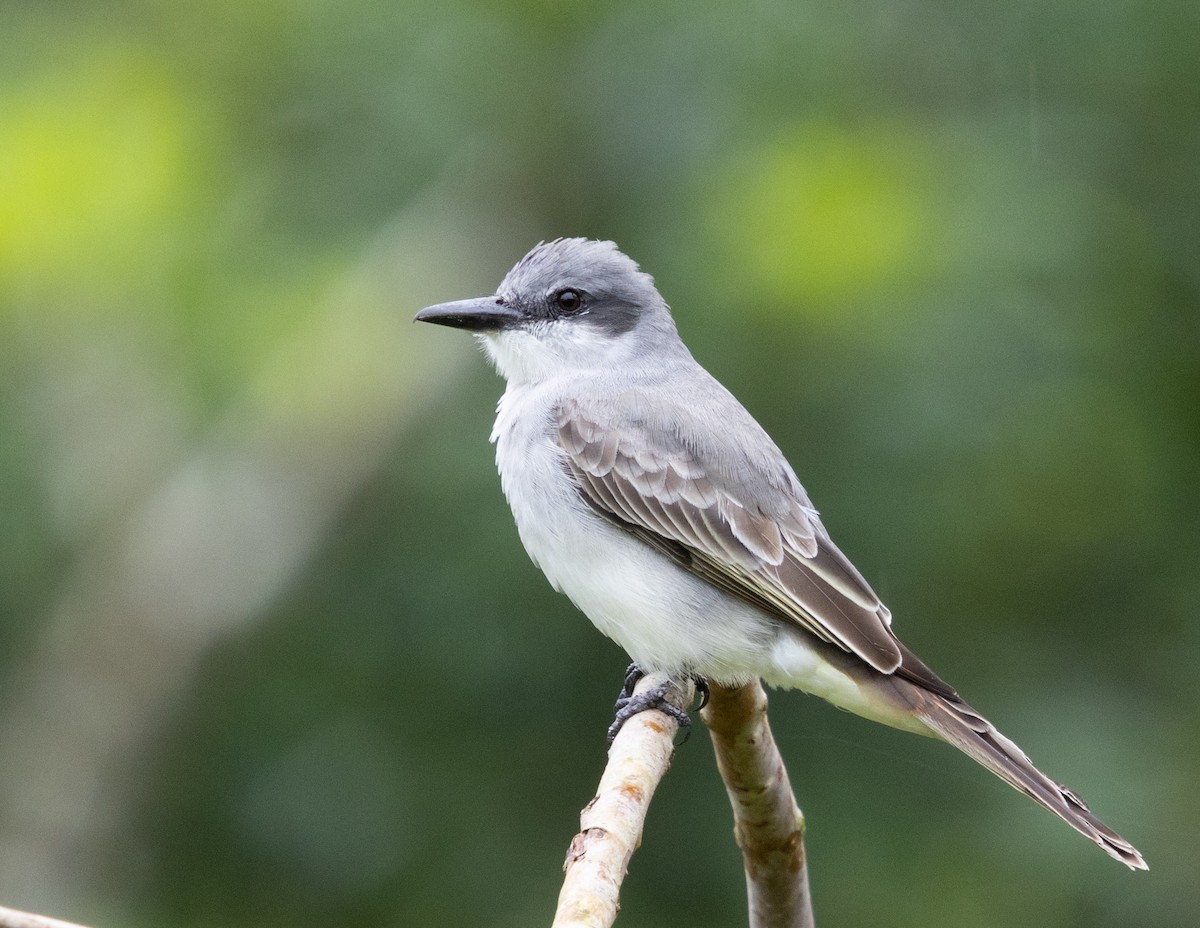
628	705
655	698
701	690
633	673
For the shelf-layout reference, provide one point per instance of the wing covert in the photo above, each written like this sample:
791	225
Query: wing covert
784	562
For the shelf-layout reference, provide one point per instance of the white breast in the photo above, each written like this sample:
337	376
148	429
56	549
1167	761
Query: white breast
662	615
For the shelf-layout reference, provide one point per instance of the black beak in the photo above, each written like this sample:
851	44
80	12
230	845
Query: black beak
482	314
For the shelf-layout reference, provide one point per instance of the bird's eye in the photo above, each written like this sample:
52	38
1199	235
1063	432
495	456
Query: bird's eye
568	301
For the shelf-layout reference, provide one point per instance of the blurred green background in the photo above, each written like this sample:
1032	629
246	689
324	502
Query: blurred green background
270	651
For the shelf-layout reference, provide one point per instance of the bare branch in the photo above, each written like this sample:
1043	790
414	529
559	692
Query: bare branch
611	824
11	918
768	825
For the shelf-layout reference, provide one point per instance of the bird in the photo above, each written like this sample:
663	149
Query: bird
651	498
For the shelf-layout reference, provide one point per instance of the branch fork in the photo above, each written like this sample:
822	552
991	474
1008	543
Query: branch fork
768	825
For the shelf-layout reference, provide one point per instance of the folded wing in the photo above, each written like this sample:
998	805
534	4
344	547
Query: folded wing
784	562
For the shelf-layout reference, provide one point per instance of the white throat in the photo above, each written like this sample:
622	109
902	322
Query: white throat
547	350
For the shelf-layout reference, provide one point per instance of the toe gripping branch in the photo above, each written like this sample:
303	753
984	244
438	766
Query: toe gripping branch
628	705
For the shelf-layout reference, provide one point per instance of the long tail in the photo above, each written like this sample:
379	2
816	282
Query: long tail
970	732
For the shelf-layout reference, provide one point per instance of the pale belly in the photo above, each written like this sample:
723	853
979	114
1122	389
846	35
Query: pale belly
663	616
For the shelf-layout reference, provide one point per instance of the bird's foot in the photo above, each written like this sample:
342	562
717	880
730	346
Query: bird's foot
628	704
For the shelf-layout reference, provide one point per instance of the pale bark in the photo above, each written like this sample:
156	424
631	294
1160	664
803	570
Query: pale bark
11	918
768	825
611	824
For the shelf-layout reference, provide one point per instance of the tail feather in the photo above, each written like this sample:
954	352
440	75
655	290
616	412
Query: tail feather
970	732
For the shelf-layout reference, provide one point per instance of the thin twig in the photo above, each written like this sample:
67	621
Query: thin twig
768	825
11	918
611	824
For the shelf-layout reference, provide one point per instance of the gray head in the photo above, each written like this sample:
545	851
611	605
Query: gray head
569	304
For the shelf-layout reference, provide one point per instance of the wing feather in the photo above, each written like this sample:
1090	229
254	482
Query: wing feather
784	563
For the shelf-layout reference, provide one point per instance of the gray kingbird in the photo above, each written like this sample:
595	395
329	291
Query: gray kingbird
650	497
